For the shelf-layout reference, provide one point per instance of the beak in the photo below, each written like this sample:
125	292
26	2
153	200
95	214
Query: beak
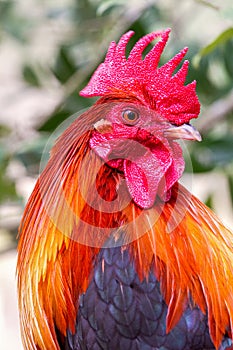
184	132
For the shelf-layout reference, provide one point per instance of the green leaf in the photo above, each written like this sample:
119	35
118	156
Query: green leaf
65	66
7	186
54	120
228	57
106	6
30	75
212	153
220	40
209	201
230	182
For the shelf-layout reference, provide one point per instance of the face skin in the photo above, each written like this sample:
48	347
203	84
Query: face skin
140	143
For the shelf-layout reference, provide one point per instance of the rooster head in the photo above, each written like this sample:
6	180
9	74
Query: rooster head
149	107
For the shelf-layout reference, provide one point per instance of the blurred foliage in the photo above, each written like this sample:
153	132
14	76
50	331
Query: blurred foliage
7	186
91	25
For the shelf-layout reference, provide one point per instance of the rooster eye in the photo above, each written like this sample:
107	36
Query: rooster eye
130	117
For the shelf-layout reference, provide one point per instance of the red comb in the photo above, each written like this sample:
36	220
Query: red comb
134	76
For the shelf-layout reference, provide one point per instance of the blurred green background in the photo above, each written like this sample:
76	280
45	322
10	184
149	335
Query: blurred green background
49	49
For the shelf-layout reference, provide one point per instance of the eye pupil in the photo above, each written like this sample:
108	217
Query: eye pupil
130	116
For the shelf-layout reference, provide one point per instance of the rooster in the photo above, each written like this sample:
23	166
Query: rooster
113	252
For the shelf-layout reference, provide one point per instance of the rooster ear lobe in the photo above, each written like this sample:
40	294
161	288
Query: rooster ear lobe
103	126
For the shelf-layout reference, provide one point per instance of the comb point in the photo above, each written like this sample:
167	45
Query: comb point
173	100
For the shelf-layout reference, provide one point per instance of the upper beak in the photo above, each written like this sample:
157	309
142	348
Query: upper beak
185	132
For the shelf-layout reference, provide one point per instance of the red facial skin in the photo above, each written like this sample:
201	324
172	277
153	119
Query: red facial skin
151	162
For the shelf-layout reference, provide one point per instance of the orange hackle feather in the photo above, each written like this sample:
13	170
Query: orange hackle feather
182	241
193	257
53	269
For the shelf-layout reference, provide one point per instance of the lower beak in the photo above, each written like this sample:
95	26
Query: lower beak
184	132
